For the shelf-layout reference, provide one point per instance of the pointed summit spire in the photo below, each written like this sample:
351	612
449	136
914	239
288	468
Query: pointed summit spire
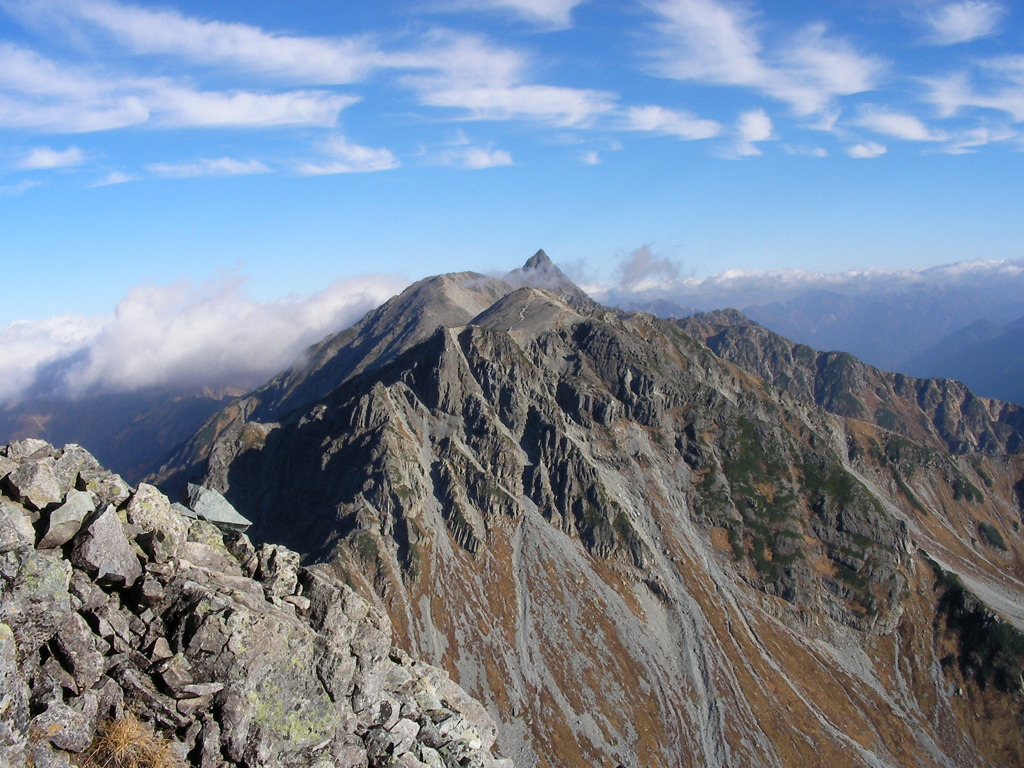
539	260
540	272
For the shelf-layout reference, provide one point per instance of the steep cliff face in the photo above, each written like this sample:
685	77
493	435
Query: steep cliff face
941	413
637	552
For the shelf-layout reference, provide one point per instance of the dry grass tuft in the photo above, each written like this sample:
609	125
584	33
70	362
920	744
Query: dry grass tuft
127	742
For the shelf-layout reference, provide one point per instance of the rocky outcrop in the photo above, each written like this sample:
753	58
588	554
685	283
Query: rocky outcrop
115	605
941	413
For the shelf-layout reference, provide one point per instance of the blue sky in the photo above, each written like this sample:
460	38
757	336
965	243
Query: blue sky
269	150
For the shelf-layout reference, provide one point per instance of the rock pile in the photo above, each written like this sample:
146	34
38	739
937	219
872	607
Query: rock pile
113	604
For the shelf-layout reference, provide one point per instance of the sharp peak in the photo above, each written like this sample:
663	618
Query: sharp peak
539	260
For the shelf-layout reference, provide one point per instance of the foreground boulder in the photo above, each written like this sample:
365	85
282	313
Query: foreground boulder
234	655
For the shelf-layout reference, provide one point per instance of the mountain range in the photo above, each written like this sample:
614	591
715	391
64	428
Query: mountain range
643	541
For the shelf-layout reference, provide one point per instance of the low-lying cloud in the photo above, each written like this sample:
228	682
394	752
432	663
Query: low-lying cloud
182	336
643	275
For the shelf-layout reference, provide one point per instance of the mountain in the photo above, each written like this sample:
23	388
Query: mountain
989	358
636	551
883	328
133	635
940	413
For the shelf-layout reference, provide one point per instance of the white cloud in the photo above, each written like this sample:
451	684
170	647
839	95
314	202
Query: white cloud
490	82
41	158
956	92
751	127
115	177
561	106
475	158
182	107
50	96
898	125
799	150
224	166
316	60
24	346
551	13
970	140
185	335
711	42
963	21
643	270
14	190
866	151
590	158
344	157
682	125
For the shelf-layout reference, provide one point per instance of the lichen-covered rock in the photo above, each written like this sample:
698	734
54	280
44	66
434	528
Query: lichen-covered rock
104	552
35	483
66	520
153	613
16	530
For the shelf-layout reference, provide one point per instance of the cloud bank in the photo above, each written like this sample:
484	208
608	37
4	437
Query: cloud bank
183	336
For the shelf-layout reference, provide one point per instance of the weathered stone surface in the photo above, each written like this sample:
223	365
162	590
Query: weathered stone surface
106	486
16	530
210	505
35	483
27	449
72	460
14	712
81	651
237	669
64	727
6	466
66	520
105	553
35	600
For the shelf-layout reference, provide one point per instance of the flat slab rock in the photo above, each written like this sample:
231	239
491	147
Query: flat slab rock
211	506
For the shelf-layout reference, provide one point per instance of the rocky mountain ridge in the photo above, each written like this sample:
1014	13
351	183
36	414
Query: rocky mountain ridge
635	551
116	608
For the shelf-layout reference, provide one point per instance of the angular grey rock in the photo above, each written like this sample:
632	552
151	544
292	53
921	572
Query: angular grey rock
66	520
72	460
6	466
35	601
64	727
32	447
35	483
80	651
211	506
14	694
16	530
105	553
107	487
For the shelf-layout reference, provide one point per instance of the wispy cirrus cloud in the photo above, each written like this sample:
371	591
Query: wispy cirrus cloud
487	81
45	158
682	125
710	42
866	151
48	95
958	92
752	127
342	156
148	31
474	158
962	21
898	125
223	166
553	14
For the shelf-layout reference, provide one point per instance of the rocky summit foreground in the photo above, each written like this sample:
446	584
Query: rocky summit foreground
634	551
116	608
